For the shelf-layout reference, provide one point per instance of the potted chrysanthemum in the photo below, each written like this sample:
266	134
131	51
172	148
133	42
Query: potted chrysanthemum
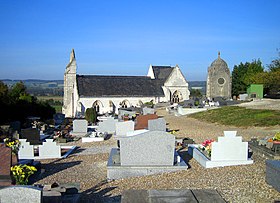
21	173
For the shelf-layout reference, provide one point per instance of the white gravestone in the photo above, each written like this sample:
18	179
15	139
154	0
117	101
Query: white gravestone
80	126
228	151
122	128
26	151
49	150
157	124
152	148
229	148
147	111
108	125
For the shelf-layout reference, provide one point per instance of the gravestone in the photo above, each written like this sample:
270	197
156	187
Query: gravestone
108	125
153	148
5	169
157	124
22	194
124	112
58	118
230	147
32	135
188	103
228	151
147	110
273	173
25	150
142	121
80	127
147	153
49	150
122	128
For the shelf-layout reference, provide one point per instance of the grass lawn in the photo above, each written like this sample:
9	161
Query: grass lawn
55	98
240	116
58	108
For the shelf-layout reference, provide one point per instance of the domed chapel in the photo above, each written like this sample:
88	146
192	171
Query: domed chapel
218	79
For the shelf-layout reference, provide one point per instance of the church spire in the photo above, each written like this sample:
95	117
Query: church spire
72	55
219	54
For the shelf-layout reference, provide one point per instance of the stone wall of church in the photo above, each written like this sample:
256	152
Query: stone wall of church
176	83
70	84
111	104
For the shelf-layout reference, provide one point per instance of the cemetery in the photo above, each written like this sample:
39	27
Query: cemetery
152	156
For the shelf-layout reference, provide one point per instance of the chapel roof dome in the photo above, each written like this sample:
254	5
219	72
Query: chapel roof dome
219	62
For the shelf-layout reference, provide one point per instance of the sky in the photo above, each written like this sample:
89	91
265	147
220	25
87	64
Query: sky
122	37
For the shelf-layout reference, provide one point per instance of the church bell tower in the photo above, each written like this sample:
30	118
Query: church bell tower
69	87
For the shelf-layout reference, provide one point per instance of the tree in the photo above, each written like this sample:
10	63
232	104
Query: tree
275	64
195	93
18	90
91	115
17	104
245	74
3	90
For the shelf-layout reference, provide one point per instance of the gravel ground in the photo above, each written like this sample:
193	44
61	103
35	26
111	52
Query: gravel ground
235	183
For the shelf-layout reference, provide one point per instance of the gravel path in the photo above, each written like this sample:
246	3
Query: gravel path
272	104
235	184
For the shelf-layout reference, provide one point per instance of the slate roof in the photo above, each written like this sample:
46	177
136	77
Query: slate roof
104	86
162	72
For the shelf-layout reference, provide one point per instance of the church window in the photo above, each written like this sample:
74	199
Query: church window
125	104
97	105
176	97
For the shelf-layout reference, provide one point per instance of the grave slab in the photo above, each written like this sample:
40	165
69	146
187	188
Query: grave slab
23	194
273	173
92	139
171	195
117	171
5	160
142	121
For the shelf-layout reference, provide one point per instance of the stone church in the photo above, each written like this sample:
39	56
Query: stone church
107	93
218	80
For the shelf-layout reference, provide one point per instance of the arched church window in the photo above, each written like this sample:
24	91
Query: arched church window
125	104
97	105
176	97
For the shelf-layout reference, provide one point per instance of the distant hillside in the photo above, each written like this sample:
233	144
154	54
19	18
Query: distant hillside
55	87
198	85
40	87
